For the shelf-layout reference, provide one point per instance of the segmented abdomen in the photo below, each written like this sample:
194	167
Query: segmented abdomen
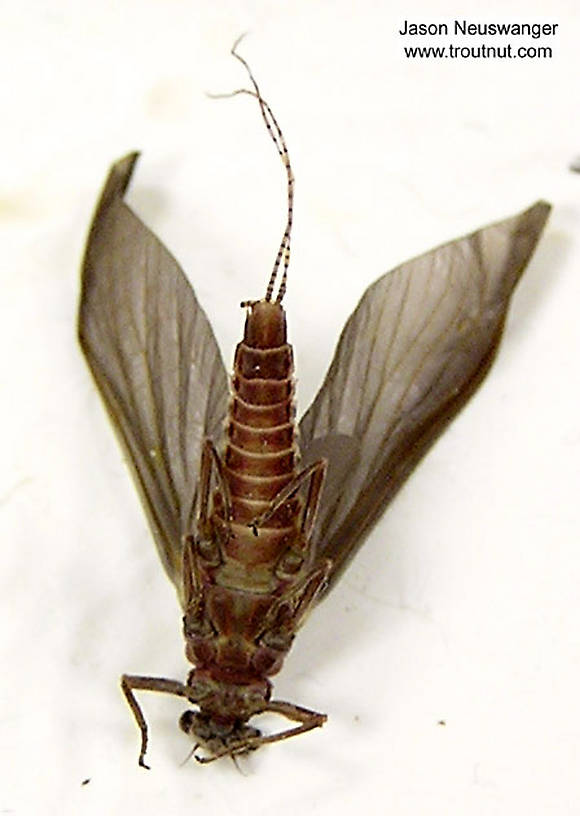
261	456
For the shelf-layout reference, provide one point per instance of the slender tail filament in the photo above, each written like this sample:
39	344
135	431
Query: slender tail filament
283	254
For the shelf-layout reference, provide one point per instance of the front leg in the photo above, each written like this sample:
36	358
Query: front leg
129	682
308	720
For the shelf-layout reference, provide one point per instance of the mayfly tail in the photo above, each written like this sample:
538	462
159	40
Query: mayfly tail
283	254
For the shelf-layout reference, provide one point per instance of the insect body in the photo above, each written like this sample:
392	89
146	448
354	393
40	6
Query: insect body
247	532
250	574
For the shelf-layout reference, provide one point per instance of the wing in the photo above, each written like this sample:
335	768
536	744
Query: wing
418	344
155	360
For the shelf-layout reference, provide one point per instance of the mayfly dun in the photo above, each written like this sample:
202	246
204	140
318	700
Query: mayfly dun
255	515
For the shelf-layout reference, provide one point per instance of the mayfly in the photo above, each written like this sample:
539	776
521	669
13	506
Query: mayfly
254	515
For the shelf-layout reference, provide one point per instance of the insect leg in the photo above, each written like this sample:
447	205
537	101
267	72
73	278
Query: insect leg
130	682
286	616
308	720
206	544
313	498
209	460
315	474
191	578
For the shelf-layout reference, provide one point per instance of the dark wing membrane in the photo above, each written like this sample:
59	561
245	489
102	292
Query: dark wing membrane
419	342
155	359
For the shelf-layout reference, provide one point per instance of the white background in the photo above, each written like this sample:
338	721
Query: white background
463	605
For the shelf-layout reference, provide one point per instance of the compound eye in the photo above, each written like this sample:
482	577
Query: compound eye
186	721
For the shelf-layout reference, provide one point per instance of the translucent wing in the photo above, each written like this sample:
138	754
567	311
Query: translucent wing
155	359
419	342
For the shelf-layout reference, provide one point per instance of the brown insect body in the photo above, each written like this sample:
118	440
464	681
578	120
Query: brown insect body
245	533
248	577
